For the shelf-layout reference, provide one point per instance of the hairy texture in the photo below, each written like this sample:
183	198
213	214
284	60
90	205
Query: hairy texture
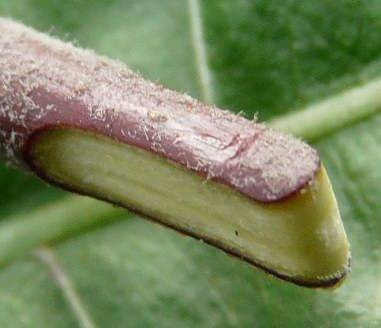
45	83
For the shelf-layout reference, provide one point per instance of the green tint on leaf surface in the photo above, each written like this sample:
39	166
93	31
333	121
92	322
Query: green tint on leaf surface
270	57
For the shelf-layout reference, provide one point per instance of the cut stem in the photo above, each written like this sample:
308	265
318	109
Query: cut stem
93	126
301	239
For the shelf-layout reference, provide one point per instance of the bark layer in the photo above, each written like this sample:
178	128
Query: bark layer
46	83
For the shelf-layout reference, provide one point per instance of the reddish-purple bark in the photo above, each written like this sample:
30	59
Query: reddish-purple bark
45	83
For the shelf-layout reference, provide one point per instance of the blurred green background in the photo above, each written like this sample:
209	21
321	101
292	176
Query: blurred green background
264	56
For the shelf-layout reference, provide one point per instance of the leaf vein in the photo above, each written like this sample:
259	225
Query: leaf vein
334	113
47	257
198	41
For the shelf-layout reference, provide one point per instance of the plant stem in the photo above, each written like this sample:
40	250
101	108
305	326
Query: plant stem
332	114
73	214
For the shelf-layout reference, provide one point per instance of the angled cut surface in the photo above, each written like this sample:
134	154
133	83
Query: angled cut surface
300	239
110	133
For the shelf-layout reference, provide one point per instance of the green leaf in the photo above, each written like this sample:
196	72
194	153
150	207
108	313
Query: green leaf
273	57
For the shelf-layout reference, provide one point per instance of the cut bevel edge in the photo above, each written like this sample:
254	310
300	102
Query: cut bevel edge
56	145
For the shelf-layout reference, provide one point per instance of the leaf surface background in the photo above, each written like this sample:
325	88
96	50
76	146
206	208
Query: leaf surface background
265	57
